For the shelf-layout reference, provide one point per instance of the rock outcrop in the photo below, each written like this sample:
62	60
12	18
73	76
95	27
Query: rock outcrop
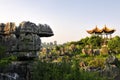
112	69
24	42
25	38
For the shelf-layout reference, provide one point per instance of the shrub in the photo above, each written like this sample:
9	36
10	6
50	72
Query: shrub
61	71
96	63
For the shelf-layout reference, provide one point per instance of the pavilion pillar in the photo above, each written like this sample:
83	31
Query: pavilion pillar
110	36
106	36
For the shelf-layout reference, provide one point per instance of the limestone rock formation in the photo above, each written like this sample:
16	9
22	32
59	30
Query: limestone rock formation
6	29
44	30
24	42
25	38
111	69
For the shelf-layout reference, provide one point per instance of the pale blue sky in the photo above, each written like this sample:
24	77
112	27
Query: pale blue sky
69	19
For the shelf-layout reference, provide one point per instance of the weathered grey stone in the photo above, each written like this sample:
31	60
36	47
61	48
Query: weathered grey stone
2	26
19	70
45	30
28	42
112	60
28	27
24	38
96	51
111	69
24	42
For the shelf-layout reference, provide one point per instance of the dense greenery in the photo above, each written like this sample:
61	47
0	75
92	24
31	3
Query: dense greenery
62	71
95	41
114	44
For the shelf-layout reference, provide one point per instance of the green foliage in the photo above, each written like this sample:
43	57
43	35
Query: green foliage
114	44
4	59
62	71
118	56
12	58
7	60
50	71
95	41
4	62
83	42
97	63
57	47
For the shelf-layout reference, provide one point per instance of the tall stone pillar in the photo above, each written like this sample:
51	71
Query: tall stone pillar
24	43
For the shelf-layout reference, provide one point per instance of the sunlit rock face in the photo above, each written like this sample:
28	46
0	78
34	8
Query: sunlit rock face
6	29
25	38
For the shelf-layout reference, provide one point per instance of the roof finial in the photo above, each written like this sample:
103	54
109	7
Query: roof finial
105	26
96	26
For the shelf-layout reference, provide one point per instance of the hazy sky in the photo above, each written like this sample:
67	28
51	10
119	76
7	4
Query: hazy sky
69	19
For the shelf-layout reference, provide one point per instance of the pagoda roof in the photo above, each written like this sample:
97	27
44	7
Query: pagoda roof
108	30
105	29
95	30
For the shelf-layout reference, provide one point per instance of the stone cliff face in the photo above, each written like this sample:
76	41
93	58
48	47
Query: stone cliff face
24	42
25	38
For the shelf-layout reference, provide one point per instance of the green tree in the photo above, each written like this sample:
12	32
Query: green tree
83	42
114	44
95	41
